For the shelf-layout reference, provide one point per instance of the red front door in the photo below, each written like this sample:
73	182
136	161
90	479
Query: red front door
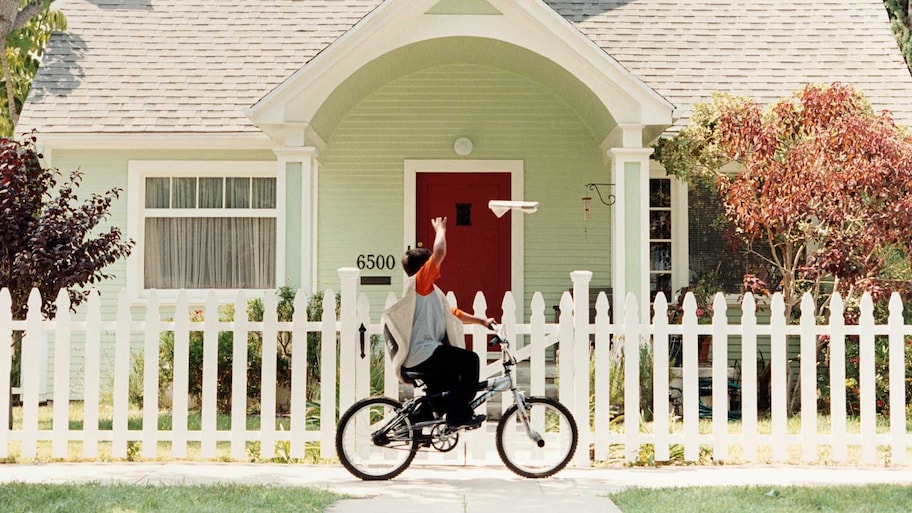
478	242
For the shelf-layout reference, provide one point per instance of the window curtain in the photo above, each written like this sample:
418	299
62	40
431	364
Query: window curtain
210	252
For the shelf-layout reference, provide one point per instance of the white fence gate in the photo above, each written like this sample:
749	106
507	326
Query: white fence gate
580	343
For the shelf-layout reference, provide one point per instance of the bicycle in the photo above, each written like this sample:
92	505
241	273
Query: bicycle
378	437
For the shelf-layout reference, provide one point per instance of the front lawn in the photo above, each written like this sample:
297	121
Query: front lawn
765	499
90	498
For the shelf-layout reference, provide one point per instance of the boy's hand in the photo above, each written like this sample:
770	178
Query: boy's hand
440	249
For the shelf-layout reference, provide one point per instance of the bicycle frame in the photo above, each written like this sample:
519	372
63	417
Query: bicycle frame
508	381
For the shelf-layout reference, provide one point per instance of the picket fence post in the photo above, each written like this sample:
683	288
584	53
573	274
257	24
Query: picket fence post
537	347
180	385
6	362
509	321
121	377
150	377
897	382
690	380
749	428
660	379
29	376
328	376
866	382
239	379
778	384
390	381
348	338
602	365
565	350
210	375
720	378
363	361
299	375
62	341
631	378
268	377
580	360
838	375
808	377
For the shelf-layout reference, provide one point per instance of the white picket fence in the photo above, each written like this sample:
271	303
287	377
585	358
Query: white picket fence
579	341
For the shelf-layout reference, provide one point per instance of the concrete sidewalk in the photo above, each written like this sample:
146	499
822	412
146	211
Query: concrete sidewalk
451	489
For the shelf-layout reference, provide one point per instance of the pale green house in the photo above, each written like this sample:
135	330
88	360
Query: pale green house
270	143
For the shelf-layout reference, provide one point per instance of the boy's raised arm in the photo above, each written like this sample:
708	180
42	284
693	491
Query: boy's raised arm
440	249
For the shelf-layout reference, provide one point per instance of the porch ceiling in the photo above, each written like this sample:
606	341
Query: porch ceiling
464	50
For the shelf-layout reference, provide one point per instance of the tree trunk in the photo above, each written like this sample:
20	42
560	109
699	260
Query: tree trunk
10	92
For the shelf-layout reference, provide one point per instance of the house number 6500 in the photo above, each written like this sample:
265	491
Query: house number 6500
380	262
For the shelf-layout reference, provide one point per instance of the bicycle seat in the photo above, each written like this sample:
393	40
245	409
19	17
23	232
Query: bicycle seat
413	375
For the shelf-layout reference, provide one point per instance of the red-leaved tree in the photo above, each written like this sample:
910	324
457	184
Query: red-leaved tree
49	238
821	186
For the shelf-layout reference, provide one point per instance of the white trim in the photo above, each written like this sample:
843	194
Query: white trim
398	23
308	218
138	170
680	221
307	157
281	205
639	156
516	170
211	212
156	141
315	217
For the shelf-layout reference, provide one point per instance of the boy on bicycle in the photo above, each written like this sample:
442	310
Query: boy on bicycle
424	334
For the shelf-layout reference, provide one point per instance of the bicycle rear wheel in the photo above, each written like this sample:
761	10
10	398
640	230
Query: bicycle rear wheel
533	458
371	443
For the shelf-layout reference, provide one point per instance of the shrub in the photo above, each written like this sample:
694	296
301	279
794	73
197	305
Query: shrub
255	312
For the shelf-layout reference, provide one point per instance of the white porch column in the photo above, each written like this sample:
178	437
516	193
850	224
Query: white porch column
296	224
630	221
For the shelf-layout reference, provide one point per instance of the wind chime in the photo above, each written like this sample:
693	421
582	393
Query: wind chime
587	214
587	203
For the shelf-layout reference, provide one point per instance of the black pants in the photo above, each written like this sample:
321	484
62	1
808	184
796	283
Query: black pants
454	370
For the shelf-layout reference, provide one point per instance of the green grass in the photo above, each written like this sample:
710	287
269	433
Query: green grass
764	499
92	498
75	422
735	456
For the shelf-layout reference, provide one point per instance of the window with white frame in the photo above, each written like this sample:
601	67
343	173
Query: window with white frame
207	225
660	237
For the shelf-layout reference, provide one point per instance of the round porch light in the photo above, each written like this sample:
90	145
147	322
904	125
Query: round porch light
463	146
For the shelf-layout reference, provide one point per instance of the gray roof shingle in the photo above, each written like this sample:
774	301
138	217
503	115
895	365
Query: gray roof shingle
196	65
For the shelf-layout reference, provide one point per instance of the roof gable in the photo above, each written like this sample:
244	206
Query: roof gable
399	23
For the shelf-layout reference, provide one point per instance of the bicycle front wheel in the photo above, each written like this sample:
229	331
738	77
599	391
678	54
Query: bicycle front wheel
548	444
374	441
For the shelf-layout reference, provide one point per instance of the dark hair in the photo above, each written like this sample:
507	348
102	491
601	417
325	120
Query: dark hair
414	259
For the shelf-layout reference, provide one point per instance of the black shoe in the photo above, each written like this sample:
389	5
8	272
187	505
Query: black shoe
472	422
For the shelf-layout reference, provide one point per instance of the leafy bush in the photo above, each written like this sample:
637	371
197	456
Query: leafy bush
224	373
853	380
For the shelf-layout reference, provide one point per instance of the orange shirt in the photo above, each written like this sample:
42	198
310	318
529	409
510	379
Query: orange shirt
425	278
